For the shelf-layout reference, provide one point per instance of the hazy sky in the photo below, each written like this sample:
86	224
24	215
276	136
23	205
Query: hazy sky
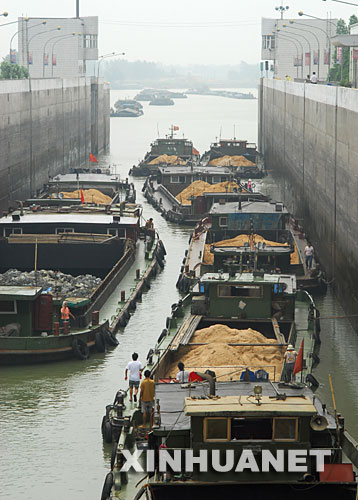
186	31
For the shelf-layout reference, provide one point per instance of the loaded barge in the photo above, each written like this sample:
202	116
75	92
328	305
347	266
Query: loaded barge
231	333
97	245
185	195
254	235
163	152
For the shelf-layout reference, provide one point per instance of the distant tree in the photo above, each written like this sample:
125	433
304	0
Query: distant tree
12	71
340	71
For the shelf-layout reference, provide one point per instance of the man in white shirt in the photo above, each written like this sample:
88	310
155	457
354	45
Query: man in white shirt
314	78
290	358
135	369
182	375
309	251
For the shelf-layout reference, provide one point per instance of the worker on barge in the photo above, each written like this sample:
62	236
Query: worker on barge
146	398
183	375
134	368
65	317
290	358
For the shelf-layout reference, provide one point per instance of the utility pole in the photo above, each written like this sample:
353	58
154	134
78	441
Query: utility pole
77	8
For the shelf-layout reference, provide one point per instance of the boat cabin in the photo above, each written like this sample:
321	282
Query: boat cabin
22	310
233	147
247	296
175	179
172	146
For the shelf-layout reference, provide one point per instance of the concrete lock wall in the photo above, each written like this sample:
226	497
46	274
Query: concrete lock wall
45	129
308	135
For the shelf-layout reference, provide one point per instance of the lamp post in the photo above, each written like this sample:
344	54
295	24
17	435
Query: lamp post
26	19
309	47
35	35
281	8
112	54
45	46
54	45
5	14
317	40
292	40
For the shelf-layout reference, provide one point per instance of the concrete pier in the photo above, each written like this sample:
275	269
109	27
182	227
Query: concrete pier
308	135
48	126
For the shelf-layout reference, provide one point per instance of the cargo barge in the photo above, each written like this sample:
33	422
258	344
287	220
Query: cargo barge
185	195
253	235
86	240
232	333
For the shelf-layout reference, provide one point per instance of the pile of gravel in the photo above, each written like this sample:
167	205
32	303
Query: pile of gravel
57	283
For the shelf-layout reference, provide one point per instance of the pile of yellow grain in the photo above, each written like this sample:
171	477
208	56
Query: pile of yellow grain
231	161
222	358
197	188
90	196
168	159
238	241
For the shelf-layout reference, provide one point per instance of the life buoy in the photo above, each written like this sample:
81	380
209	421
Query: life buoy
100	342
107	487
110	338
80	349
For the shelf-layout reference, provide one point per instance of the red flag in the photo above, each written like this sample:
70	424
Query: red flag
92	158
175	127
82	197
195	152
299	360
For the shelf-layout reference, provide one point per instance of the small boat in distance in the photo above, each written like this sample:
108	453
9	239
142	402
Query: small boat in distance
161	101
127	108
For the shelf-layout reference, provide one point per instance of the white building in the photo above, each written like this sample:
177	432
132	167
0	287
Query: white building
58	48
298	47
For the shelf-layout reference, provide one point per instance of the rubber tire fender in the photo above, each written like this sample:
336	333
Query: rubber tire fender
153	272
162	335
100	342
127	314
162	247
107	486
107	430
312	380
110	338
160	263
80	349
147	283
167	322
122	321
133	305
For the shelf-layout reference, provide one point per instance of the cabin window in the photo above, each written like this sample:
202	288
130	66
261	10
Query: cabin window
285	429
223	179
216	179
222	221
60	230
253	291
247	429
216	429
8	307
174	179
12	230
182	178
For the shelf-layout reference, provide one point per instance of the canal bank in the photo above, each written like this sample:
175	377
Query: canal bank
307	134
47	127
51	414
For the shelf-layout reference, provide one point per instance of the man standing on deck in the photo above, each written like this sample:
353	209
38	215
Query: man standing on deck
290	358
65	315
146	398
135	368
309	251
149	228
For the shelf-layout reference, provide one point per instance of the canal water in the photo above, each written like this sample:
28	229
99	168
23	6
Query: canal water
50	415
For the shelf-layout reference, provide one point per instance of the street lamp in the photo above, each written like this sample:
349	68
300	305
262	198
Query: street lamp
317	40
281	8
26	19
54	45
112	54
309	47
294	40
45	46
5	14
35	35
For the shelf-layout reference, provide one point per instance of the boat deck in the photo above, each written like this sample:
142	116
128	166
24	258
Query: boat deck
195	254
172	399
